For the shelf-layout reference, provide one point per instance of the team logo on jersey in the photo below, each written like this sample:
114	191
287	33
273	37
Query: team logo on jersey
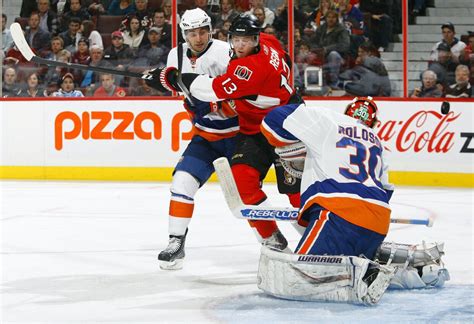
243	73
289	179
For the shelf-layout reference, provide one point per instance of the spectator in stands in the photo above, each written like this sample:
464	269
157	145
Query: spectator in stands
81	56
455	45
91	79
72	34
205	5
118	54
159	21
444	66
142	13
366	49
429	88
281	18
467	54
57	44
121	8
32	88
269	15
381	24
331	42
154	53
227	12
88	31
27	7
66	89
96	7
368	79
55	74
462	88
166	7
270	30
10	87
318	16
76	11
134	35
141	89
259	12
222	35
351	18
108	87
48	19
418	7
37	39
7	40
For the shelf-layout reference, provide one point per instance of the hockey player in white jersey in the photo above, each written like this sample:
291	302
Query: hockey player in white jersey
345	196
213	132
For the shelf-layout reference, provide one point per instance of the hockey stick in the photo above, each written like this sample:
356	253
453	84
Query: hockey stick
24	48
180	82
253	212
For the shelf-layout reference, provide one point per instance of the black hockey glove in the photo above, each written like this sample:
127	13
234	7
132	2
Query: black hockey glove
201	108
165	79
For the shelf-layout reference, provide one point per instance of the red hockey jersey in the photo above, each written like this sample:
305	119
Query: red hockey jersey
260	81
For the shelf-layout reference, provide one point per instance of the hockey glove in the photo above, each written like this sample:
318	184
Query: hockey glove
163	80
201	108
292	158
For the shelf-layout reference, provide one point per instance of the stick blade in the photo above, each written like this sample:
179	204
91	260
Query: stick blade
20	41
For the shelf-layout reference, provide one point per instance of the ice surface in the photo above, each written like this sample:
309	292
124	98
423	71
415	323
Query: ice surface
86	252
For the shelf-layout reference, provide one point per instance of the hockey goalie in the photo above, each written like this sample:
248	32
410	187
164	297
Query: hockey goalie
345	209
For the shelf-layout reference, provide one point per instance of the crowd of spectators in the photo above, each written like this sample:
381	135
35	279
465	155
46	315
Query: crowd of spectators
450	69
344	38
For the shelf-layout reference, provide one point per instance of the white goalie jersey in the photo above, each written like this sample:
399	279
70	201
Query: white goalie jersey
345	168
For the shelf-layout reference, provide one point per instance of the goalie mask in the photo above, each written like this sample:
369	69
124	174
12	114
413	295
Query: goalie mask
195	18
364	109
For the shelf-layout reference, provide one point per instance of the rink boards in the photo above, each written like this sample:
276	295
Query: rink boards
89	139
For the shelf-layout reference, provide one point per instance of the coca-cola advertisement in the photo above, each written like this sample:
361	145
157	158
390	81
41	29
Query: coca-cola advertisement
422	136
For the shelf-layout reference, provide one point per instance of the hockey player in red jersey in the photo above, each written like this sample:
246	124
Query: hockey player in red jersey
257	78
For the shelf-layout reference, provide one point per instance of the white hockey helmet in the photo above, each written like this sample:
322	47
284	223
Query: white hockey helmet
195	18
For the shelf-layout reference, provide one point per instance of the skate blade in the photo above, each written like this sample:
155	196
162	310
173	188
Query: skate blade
173	265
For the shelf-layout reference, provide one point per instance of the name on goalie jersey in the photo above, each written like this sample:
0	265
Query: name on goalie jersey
270	213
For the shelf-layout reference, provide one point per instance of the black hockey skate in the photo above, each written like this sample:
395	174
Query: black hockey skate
172	257
276	241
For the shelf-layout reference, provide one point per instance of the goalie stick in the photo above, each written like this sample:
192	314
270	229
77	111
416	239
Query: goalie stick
255	212
20	42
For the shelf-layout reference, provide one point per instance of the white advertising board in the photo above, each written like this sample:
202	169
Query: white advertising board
153	133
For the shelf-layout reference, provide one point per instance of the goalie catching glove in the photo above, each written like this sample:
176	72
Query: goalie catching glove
292	158
165	79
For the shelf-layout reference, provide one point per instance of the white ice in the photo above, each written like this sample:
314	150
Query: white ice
85	252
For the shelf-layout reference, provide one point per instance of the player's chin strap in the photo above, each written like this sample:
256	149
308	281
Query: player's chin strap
322	277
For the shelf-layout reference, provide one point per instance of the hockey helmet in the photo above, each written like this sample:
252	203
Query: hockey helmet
364	109
195	18
244	24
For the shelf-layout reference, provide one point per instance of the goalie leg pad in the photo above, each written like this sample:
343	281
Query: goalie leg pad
322	278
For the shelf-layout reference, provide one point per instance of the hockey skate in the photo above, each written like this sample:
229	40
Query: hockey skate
277	242
172	257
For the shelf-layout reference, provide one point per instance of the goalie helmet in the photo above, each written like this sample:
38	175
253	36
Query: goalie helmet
364	109
195	18
244	24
